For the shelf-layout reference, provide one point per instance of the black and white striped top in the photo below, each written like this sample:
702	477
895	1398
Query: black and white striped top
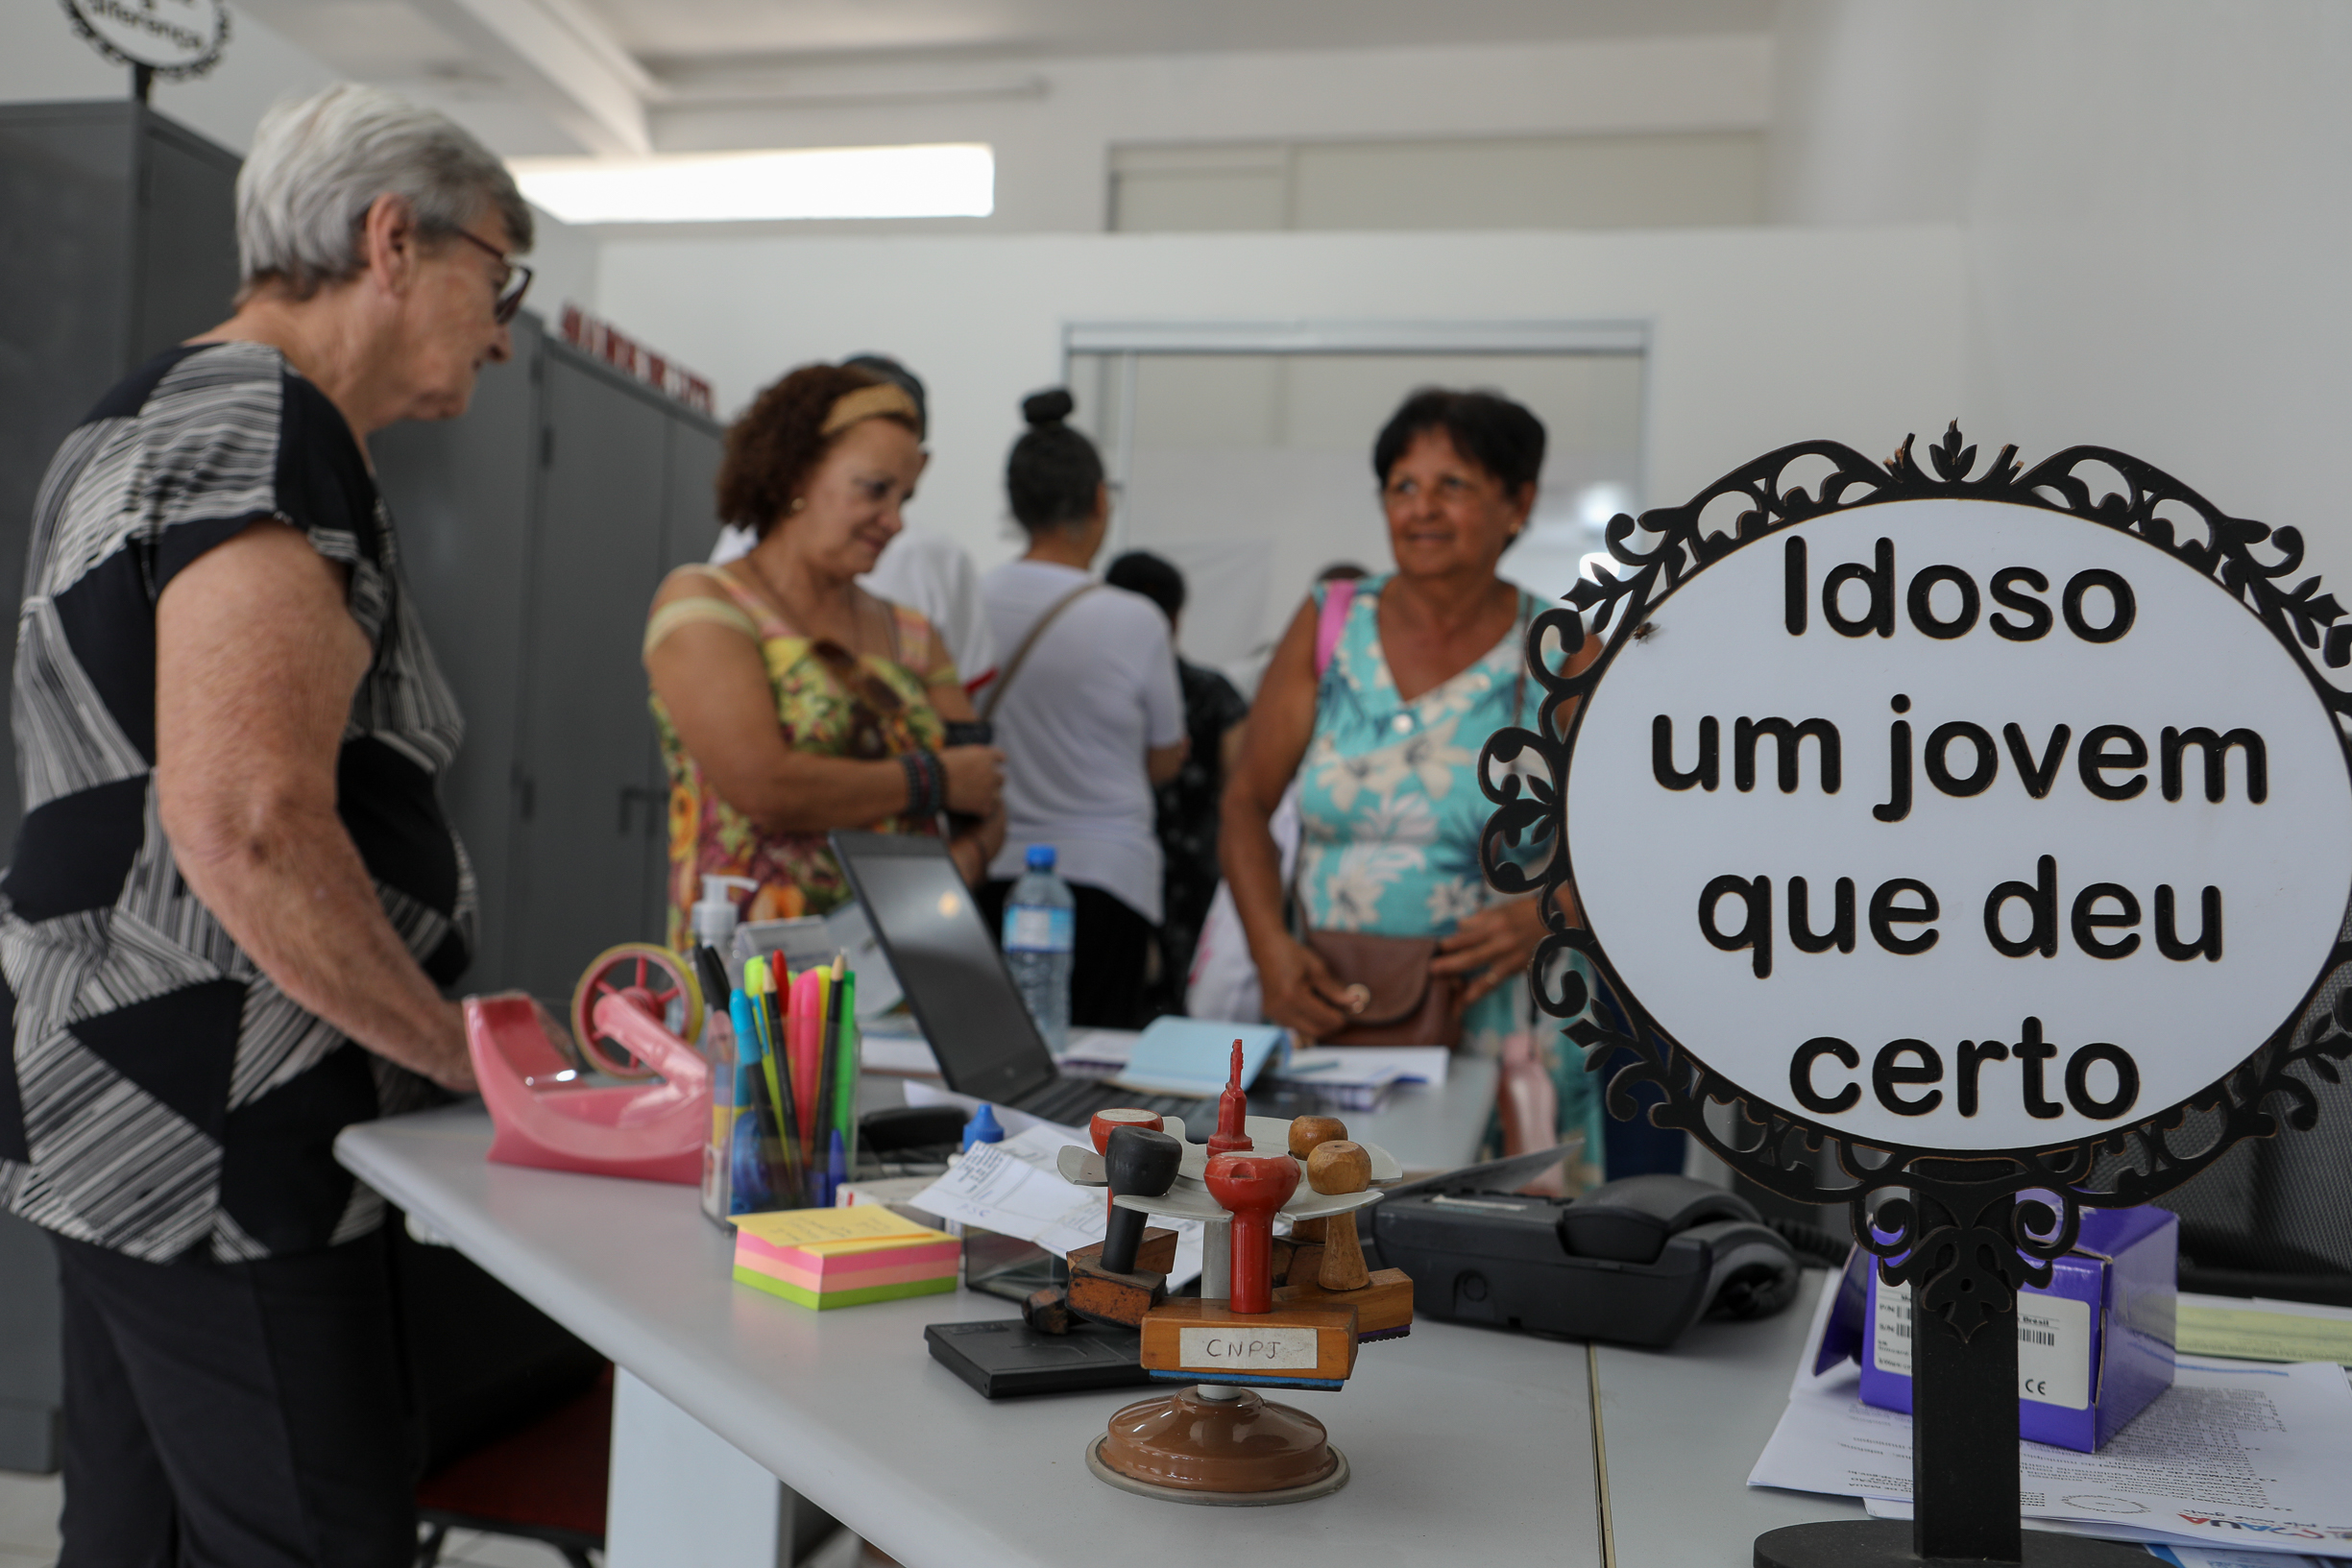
167	1100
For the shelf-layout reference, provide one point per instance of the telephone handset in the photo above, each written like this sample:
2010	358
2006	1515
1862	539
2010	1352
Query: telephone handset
1634	1262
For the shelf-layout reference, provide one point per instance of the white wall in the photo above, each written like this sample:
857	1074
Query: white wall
1760	337
43	60
2157	213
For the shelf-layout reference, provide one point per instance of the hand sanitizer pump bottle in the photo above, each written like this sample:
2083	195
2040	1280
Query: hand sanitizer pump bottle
712	919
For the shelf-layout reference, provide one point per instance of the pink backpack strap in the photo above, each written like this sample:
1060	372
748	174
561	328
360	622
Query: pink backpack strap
1331	621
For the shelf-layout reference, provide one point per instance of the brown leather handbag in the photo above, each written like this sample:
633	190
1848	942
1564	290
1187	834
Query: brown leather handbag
1402	1002
1393	996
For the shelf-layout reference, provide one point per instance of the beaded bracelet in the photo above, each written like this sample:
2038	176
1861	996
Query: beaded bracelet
926	783
938	780
918	781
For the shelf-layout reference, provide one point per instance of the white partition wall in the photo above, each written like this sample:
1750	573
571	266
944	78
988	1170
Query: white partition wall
1241	449
1754	337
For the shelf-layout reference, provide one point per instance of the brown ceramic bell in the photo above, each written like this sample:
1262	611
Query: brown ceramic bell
1242	1444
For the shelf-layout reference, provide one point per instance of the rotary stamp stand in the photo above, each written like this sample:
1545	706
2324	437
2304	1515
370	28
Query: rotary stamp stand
1273	1312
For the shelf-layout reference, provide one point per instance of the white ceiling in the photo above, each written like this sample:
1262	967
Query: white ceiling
592	69
664	30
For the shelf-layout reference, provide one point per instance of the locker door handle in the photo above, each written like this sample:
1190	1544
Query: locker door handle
653	800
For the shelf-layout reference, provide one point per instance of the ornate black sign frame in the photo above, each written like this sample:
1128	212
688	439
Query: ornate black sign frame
1961	1236
146	71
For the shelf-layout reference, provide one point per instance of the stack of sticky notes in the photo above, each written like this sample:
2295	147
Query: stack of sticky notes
843	1257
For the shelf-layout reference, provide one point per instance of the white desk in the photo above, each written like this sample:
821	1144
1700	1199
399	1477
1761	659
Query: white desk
1681	1430
1467	1444
1456	1436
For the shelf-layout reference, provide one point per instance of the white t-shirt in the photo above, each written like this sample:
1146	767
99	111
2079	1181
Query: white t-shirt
1096	691
936	576
922	572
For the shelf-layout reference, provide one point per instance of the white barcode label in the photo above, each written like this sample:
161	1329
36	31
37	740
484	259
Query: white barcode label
2054	1344
1031	929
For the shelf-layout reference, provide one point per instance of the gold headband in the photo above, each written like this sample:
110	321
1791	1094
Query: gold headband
883	398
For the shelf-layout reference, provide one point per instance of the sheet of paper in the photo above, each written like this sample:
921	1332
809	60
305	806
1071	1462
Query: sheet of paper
2264	1331
2233	1454
1099	1053
851	933
900	1055
1012	1188
1368	1064
2185	1555
2162	1548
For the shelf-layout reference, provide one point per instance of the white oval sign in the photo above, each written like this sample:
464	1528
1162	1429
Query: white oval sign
173	38
1960	825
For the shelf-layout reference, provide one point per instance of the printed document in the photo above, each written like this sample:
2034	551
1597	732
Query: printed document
1012	1188
2235	1454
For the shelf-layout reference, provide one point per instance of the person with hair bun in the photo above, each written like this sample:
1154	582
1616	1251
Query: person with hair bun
1087	706
789	701
1188	803
1378	702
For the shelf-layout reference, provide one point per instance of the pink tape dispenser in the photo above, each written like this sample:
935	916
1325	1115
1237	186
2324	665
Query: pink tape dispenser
549	1114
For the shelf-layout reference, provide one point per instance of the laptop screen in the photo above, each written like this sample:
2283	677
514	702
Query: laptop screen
956	982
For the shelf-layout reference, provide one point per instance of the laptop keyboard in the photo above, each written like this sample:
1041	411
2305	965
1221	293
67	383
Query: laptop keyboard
1072	1101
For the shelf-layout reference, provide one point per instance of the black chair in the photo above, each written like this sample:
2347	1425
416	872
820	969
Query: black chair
545	1482
516	1411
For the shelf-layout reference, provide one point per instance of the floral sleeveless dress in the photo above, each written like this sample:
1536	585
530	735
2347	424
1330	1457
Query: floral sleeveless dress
796	872
1391	813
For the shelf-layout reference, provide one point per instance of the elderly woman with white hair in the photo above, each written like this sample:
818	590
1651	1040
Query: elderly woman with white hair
234	896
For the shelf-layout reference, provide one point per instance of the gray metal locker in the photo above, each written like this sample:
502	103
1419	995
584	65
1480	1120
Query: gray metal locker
690	527
117	239
533	531
462	493
588	804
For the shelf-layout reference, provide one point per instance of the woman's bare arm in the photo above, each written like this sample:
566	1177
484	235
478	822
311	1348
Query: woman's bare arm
972	847
1299	991
250	713
1161	764
714	683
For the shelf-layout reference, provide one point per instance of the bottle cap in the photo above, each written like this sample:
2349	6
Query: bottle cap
1041	857
713	915
982	1128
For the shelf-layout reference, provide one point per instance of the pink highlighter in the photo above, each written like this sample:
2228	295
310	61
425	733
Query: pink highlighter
808	1024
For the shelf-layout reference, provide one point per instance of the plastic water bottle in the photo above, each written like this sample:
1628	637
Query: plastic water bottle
1040	928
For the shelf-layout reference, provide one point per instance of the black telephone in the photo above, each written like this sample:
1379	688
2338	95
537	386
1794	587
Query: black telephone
1633	1261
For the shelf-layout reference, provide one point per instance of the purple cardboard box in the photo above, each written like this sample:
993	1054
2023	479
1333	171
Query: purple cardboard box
2094	1346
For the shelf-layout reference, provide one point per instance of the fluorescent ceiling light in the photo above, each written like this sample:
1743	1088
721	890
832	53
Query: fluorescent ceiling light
948	180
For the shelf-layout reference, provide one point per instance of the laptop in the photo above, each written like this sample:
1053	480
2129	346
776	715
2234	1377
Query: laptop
960	993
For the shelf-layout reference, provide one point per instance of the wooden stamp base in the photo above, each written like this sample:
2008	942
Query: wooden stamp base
1244	1450
1121	1300
1210	1340
1384	1307
1156	1255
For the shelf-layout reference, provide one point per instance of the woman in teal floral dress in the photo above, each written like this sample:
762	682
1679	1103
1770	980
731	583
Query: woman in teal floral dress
1382	726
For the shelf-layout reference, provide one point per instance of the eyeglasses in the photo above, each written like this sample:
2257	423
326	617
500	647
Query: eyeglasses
512	287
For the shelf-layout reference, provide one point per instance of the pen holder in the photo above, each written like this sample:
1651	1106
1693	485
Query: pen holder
781	1138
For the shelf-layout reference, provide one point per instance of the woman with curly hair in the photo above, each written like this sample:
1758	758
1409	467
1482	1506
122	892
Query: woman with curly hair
789	701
